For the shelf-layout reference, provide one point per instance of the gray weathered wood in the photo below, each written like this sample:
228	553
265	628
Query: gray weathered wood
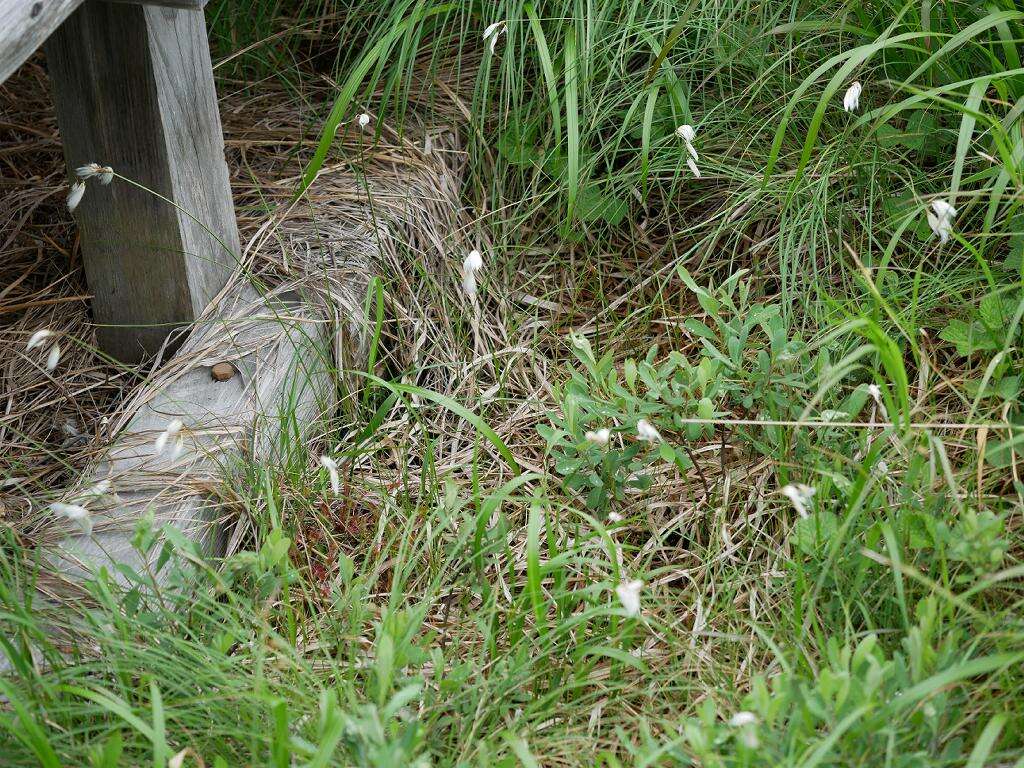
166	3
286	348
24	25
134	90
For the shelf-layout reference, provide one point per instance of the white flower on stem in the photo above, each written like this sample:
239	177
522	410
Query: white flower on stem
171	436
940	219
37	338
493	32
599	436
38	341
687	134
628	593
747	722
474	263
75	195
54	357
799	496
851	99
363	120
646	431
76	513
741	719
332	469
103	172
876	393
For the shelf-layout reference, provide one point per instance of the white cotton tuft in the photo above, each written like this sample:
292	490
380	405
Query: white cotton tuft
493	32
693	167
54	357
363	120
686	133
599	436
647	432
332	470
76	513
171	437
75	195
799	496
473	263
37	338
851	99
741	719
940	219
628	593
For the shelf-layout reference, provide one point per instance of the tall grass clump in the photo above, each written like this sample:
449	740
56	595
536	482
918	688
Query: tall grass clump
776	400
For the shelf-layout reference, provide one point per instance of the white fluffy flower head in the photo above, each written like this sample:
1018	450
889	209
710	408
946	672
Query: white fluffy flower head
647	432
799	496
851	99
940	219
75	195
599	436
628	593
493	32
474	263
170	440
332	470
363	120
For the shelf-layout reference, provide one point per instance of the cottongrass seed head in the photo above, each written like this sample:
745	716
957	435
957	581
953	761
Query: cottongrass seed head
332	470
851	99
363	120
474	263
493	32
940	219
170	440
646	431
38	341
75	195
799	496
628	592
598	436
76	513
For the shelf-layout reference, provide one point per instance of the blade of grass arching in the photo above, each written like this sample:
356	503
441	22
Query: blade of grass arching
457	408
645	137
852	59
491	505
973	668
987	740
670	41
160	750
533	585
375	290
547	68
25	728
344	100
963	142
572	120
965	35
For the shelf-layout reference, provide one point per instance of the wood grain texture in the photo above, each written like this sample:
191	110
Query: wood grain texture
134	90
25	25
194	4
282	354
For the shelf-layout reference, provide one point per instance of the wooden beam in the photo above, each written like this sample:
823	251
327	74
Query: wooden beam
193	4
134	90
281	385
24	25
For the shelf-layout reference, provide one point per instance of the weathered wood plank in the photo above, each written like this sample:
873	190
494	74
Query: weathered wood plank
134	90
285	359
25	25
194	4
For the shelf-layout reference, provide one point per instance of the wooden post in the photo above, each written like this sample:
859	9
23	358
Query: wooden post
134	90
